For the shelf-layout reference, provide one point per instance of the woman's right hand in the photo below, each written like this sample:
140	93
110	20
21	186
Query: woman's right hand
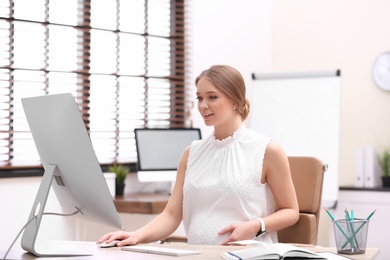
125	238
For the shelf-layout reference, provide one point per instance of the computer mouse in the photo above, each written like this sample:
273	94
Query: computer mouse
111	244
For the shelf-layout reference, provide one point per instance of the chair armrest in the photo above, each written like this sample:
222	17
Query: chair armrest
303	232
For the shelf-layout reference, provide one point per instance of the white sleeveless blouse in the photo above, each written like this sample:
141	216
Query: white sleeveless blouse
223	186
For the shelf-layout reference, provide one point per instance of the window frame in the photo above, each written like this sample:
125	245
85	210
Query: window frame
180	115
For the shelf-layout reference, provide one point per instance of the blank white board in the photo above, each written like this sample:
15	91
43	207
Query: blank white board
301	111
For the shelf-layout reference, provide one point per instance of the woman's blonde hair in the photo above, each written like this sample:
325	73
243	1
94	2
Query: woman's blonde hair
231	83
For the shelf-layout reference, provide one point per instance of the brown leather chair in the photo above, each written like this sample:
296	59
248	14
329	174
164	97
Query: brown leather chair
308	176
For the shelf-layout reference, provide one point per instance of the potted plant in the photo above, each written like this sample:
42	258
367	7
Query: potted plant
384	162
121	173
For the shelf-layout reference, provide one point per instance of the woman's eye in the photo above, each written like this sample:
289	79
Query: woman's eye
199	98
213	97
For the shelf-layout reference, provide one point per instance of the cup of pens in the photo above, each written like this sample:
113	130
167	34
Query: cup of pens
351	235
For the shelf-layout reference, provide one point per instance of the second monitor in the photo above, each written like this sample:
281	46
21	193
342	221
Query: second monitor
159	151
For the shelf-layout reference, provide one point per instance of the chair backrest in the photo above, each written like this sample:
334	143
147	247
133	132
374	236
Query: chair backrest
308	176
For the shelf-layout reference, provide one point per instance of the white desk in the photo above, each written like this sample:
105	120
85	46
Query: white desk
208	252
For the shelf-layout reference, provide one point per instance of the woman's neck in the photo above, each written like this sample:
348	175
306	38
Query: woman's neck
224	131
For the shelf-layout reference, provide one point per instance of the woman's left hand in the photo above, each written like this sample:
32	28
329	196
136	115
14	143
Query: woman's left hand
240	231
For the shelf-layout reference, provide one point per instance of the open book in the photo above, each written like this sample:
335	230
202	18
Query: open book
271	251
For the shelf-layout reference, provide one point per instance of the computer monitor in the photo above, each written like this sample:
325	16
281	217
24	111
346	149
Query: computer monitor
71	169
159	151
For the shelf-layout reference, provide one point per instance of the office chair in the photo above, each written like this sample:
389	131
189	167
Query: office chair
308	176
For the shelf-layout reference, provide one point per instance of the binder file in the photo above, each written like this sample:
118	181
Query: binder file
372	171
359	162
368	171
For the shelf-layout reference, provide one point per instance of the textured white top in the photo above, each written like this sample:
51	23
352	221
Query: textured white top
223	186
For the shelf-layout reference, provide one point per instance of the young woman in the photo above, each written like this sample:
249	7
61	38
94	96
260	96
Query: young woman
234	185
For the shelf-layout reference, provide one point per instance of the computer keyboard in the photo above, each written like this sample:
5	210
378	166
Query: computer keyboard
160	250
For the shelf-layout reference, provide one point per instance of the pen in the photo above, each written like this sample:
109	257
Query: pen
337	224
349	219
369	216
330	214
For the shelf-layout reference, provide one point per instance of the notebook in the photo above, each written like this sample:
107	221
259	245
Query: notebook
159	151
160	250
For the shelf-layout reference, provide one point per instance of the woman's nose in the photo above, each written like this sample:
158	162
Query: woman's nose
203	104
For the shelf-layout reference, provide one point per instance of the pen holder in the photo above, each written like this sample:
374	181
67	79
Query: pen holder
350	236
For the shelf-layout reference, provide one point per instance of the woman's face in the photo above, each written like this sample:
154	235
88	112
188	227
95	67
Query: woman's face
214	106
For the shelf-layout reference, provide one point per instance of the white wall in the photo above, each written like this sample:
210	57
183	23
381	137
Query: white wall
348	35
237	33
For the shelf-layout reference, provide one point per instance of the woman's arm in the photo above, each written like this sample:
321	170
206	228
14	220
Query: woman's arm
165	223
276	172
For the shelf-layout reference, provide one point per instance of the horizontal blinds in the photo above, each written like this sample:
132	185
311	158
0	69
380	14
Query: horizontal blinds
124	61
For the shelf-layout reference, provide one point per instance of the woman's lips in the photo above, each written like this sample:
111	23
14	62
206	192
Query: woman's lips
206	116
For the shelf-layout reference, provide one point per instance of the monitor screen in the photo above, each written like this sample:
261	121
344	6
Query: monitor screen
71	168
161	149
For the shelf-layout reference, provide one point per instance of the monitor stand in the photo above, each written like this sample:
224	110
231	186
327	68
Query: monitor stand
31	231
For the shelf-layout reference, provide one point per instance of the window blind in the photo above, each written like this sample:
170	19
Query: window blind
124	61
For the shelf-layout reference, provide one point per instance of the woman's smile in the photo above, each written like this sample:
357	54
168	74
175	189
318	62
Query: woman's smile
207	116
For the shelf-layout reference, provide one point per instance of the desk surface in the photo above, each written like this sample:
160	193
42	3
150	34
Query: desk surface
141	203
208	252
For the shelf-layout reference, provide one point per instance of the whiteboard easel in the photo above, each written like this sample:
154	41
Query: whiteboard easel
301	111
